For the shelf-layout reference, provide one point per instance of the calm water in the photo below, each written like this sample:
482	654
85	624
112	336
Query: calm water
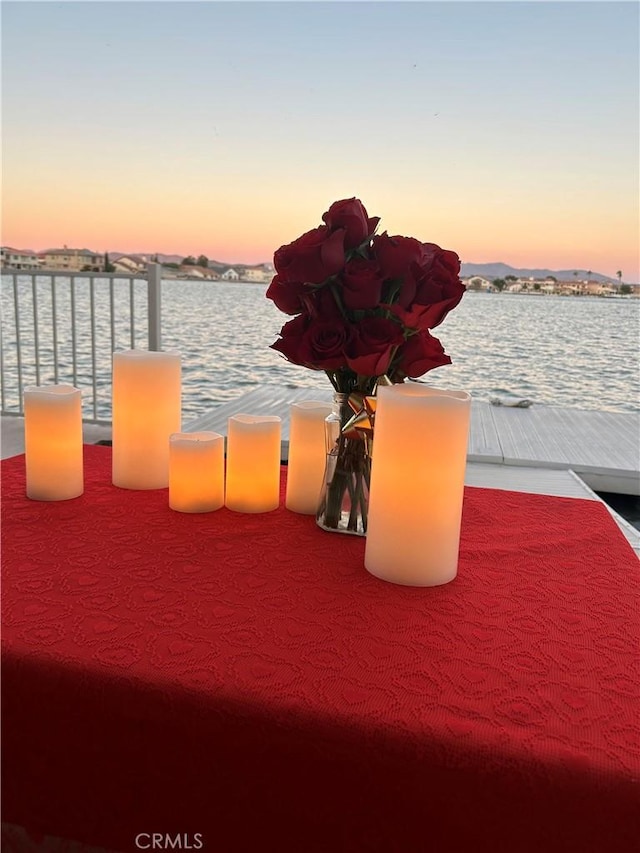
570	352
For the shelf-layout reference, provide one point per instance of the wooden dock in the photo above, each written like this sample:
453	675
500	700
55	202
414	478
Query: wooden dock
602	448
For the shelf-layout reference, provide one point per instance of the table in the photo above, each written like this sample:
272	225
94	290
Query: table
242	677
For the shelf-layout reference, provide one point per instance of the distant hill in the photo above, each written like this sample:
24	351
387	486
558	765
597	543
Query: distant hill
500	270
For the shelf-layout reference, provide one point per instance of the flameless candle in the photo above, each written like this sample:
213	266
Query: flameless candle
145	412
196	471
417	483
53	442
307	455
253	463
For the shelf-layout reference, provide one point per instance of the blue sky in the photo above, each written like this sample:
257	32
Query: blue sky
504	130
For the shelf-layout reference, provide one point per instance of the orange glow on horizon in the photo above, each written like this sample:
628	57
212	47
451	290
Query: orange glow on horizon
250	232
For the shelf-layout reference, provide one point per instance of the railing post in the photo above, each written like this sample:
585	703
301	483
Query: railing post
154	304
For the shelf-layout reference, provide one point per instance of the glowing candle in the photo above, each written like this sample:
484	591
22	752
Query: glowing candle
253	463
417	483
307	455
145	412
196	471
53	442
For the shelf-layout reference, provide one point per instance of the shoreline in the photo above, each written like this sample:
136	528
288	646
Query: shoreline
171	275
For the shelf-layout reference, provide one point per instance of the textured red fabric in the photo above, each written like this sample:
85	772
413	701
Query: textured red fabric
243	677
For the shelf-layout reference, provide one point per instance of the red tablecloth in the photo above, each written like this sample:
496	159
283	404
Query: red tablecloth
244	678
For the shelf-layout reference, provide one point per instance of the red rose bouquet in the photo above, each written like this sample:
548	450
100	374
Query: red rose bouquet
364	306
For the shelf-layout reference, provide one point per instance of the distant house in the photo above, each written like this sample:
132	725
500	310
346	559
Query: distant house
72	259
257	274
599	288
19	259
230	275
477	282
533	284
191	271
571	287
130	264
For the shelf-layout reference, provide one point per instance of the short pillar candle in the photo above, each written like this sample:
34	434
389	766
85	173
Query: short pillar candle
307	455
417	484
196	471
146	411
53	442
253	463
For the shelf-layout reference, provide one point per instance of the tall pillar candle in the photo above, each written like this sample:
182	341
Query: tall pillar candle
145	412
417	484
307	455
196	471
53	442
253	463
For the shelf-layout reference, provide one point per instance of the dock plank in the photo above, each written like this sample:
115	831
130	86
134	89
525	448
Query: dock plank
484	445
265	400
484	440
601	447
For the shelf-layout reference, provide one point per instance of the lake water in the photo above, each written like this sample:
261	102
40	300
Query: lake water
560	351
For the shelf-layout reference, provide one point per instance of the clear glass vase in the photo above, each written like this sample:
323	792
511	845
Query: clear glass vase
344	499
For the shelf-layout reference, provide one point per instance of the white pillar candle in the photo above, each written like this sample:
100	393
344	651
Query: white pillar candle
307	455
196	471
53	442
253	463
145	412
417	483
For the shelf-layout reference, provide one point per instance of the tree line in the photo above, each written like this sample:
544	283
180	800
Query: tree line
200	261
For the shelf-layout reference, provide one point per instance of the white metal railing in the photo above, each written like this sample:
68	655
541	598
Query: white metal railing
24	328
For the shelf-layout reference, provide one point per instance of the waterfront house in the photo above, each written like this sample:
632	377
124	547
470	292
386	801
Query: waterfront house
193	271
477	282
72	259
532	285
19	259
130	264
585	287
230	275
257	274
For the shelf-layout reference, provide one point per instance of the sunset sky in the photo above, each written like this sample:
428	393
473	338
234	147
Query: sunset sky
506	131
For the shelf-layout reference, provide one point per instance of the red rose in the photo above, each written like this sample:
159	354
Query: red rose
396	254
311	258
327	340
372	345
351	215
291	342
320	304
420	353
319	344
287	296
361	284
438	289
396	257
